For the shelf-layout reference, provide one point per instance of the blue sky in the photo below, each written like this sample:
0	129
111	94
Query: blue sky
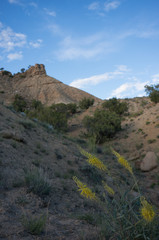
109	48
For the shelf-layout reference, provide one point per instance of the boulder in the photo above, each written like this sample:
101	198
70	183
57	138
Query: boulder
149	162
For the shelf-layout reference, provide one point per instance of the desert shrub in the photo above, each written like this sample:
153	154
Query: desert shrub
46	114
19	103
72	108
59	107
27	124
136	114
153	92
121	214
65	108
22	70
114	105
7	73
37	182
85	103
143	103
36	104
102	125
34	224
151	141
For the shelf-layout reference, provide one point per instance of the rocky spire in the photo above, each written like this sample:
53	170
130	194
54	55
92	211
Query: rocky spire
38	69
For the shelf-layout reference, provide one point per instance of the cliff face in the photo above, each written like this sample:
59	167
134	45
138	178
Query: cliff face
36	84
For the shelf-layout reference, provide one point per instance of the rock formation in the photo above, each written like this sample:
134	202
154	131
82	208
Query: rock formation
149	162
34	83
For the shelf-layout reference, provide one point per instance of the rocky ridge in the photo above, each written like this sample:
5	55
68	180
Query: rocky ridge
36	84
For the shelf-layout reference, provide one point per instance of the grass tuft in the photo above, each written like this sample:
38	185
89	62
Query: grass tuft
37	182
34	224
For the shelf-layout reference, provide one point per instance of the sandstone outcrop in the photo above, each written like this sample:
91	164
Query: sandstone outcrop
38	69
34	83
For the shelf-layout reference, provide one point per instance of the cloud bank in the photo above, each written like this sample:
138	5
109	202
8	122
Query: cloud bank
96	79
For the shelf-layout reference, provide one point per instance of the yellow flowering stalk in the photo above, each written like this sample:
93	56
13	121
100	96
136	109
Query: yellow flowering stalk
84	153
122	161
93	160
147	211
97	163
85	191
108	189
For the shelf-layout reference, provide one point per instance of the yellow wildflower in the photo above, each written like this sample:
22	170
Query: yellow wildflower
85	191
84	153
93	160
97	163
108	189
147	211
123	161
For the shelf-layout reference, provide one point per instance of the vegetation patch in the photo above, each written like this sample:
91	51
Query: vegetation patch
85	103
114	105
103	125
37	182
34	224
151	141
122	215
153	92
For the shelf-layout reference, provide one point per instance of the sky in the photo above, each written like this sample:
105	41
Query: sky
109	48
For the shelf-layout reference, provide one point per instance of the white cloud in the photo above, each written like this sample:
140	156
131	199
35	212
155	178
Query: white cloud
50	13
18	2
93	6
33	4
140	33
101	8
36	44
15	56
96	79
155	79
10	39
93	80
87	47
133	87
13	1
77	52
55	29
22	3
111	5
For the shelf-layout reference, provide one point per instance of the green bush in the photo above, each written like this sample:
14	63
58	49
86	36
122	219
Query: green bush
85	103
103	125
7	73
36	104
59	107
114	105
65	108
46	114
72	108
153	92
22	70
19	103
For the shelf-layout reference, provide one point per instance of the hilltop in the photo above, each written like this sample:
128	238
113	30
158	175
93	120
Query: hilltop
34	83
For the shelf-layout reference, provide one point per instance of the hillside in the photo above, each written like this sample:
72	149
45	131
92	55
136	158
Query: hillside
34	83
38	163
27	146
